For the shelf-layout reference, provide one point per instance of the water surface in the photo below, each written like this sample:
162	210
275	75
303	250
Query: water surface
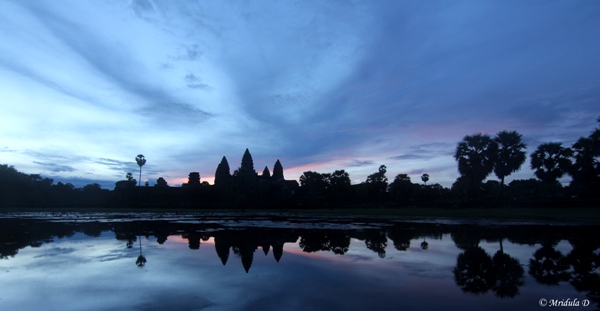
239	262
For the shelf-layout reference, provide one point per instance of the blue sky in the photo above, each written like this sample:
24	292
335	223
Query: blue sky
85	86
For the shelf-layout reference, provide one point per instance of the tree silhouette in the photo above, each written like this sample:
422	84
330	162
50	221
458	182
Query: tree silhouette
401	188
378	179
550	161
378	183
339	186
129	177
161	182
313	185
510	154
595	137
586	169
526	189
425	178
141	160
476	156
339	179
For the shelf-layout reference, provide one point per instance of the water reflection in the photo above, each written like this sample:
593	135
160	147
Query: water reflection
141	260
560	261
509	274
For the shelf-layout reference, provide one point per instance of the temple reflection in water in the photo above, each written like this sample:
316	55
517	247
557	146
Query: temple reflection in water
497	259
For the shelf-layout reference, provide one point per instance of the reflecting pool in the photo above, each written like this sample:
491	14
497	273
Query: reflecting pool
262	262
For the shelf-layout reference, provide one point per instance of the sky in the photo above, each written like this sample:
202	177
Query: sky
85	86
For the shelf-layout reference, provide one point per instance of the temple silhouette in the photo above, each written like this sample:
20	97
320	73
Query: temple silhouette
244	187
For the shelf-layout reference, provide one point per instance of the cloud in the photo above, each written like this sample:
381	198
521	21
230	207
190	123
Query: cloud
195	83
115	165
357	163
311	82
47	81
42	155
174	113
426	151
56	251
5	149
120	68
52	167
126	167
188	53
414	156
142	8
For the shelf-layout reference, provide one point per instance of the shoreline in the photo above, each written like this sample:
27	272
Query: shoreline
548	216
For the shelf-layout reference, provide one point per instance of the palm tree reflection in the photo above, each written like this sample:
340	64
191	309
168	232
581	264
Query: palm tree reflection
424	244
548	266
474	271
141	260
376	241
509	275
584	260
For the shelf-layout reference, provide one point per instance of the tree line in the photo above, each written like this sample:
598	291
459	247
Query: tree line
478	156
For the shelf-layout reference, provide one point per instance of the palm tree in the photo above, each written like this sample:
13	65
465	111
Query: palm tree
510	154
476	155
595	137
586	169
425	178
141	160
551	161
